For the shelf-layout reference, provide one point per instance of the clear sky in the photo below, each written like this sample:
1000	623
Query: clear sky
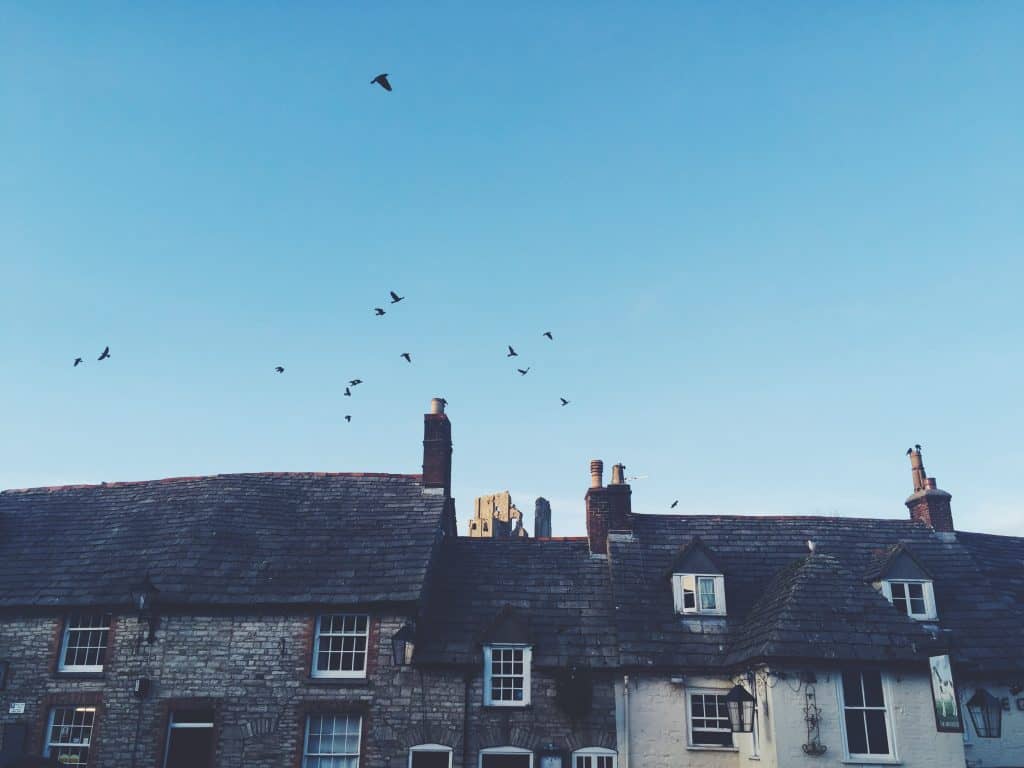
777	243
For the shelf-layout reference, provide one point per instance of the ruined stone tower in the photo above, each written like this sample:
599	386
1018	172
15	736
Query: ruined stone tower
542	518
495	516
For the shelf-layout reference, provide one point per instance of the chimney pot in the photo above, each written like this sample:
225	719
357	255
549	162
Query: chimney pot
930	483
618	474
596	472
437	405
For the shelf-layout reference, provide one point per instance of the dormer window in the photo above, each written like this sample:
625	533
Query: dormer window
700	593
914	597
507	675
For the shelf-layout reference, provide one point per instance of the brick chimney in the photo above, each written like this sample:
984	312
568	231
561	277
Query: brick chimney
608	507
927	503
437	448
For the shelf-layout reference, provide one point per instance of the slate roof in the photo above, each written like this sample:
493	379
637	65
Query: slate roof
554	587
980	604
269	538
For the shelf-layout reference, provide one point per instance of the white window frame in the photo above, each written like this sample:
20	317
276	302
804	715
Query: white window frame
890	736
720	692
594	752
927	591
340	673
50	744
358	754
503	751
104	627
430	748
527	662
690	582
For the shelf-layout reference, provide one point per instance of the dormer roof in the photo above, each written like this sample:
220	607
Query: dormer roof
694	557
896	562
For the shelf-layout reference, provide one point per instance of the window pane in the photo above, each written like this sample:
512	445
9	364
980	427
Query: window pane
189	747
85	640
689	599
898	590
851	689
712	738
878	741
856	738
430	759
872	690
707	593
341	644
506	761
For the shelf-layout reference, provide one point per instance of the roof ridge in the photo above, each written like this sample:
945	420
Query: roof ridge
219	475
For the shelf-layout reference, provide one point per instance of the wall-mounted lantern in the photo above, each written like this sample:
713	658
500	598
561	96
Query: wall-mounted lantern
986	713
741	709
144	598
550	756
403	645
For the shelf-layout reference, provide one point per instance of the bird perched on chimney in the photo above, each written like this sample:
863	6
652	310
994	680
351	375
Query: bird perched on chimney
909	451
917	446
811	547
382	81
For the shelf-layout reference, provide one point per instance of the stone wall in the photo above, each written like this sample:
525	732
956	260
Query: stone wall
254	671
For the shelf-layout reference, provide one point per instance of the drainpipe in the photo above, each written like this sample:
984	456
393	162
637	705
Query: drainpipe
467	680
625	722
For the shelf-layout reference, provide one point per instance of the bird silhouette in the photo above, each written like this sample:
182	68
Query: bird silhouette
355	382
917	446
105	354
347	417
407	356
395	298
382	81
674	504
909	451
348	392
523	371
548	334
279	368
511	352
379	311
78	362
564	401
443	402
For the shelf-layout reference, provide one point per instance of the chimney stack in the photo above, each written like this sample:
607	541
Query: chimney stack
542	518
609	508
928	504
437	448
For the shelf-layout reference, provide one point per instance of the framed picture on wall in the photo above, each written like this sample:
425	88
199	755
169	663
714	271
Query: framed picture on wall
944	698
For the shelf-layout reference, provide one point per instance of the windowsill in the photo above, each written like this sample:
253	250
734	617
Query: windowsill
80	675
872	761
699	748
339	682
499	707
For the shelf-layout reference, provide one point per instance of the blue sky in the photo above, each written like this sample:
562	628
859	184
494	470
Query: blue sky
777	243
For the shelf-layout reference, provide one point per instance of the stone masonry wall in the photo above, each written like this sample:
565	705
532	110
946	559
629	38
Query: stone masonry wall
254	671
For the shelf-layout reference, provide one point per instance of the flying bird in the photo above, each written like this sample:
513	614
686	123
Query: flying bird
407	356
548	334
395	298
379	311
355	382
279	368
523	371
382	81
674	504
78	362
511	352
564	401
106	353
348	392
347	417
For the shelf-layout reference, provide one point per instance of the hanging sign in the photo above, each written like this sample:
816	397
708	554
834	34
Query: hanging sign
947	708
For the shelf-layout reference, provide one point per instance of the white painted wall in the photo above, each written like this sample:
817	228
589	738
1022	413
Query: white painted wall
658	731
1006	751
